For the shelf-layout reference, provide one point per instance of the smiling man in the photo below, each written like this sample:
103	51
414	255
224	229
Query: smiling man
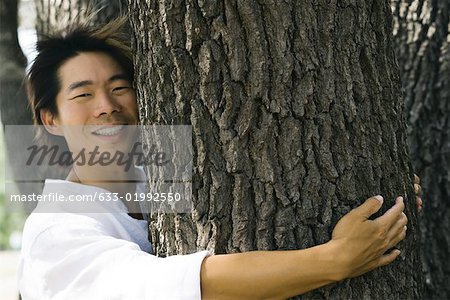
81	90
95	104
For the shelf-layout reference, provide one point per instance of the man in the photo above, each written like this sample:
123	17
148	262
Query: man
81	90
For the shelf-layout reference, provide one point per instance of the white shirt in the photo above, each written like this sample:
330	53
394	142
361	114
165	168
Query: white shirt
68	255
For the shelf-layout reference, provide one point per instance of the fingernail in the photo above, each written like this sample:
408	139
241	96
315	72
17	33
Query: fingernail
379	197
400	198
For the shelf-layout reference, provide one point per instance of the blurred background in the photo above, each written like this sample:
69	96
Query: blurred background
11	222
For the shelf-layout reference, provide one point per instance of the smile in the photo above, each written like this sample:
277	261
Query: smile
109	131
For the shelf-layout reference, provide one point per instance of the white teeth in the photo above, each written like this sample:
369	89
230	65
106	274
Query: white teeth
109	130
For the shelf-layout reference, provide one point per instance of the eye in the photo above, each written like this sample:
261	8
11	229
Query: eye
82	95
120	89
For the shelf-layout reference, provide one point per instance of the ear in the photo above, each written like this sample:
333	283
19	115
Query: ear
50	122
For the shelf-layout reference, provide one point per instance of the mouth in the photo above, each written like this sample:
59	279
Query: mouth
109	130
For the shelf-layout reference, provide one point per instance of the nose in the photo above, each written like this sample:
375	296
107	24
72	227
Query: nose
106	105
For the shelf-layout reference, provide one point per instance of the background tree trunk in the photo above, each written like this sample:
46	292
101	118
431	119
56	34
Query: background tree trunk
56	14
422	37
297	117
13	100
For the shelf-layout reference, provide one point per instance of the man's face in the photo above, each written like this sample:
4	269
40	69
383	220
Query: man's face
96	96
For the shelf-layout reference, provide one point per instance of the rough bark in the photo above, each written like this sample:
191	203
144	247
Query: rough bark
422	37
13	101
297	117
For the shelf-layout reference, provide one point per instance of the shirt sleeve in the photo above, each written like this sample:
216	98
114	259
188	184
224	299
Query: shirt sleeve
70	262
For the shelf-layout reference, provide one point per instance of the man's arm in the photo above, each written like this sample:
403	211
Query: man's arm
357	246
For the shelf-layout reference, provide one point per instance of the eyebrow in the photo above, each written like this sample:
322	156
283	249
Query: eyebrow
82	83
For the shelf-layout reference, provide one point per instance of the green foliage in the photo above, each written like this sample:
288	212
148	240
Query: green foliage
10	222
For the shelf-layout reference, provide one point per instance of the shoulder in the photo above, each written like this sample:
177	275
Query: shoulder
58	226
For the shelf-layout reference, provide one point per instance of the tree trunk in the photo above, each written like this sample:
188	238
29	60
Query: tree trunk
297	117
422	37
56	14
13	100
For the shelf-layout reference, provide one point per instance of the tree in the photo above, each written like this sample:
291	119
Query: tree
13	103
53	14
13	100
297	116
422	44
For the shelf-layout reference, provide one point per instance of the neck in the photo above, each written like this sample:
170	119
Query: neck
113	179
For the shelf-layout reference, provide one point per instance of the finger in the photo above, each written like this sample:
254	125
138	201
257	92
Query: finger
416	179
398	225
399	237
417	188
419	203
388	258
397	230
369	207
391	215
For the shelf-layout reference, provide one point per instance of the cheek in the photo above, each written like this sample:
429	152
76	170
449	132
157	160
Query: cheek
74	114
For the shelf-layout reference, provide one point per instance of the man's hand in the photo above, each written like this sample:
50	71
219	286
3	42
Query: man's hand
358	245
361	243
417	191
